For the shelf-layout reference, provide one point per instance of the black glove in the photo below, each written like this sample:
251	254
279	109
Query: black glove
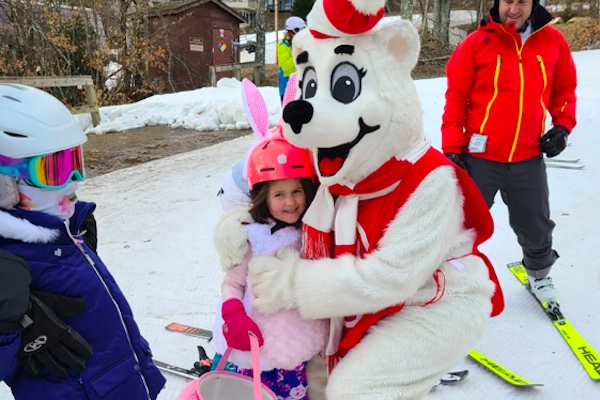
90	232
14	292
457	159
554	141
47	342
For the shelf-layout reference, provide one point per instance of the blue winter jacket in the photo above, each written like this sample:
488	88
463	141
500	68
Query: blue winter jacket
121	367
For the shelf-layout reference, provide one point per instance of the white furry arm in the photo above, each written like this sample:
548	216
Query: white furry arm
416	243
231	239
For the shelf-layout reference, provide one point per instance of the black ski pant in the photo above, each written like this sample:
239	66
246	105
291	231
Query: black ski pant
524	189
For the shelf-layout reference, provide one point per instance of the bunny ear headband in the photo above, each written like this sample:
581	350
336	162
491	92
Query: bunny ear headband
258	115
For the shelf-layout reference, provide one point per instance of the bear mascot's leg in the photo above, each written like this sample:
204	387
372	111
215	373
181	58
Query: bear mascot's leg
405	354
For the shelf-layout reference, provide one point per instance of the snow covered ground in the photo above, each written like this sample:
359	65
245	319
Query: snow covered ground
155	233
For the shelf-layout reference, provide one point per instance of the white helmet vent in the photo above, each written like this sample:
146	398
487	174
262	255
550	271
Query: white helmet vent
15	135
12	98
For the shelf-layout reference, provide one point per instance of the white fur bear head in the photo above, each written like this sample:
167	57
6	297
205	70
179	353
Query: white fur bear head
357	105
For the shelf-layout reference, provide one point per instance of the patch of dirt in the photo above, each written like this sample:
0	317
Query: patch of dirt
582	33
113	151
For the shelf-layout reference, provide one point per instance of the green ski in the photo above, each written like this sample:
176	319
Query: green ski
501	371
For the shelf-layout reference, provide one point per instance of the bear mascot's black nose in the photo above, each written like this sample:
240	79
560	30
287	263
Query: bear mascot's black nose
298	113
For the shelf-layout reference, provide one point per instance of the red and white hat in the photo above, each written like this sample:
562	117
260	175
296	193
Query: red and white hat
344	18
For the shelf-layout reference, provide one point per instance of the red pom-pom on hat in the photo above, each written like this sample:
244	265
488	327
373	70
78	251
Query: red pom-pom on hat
343	18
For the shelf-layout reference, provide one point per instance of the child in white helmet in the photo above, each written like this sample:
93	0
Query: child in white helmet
50	344
234	190
285	60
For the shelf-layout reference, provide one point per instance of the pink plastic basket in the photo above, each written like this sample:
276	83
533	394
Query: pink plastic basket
224	385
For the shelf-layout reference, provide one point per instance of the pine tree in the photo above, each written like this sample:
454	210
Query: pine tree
301	8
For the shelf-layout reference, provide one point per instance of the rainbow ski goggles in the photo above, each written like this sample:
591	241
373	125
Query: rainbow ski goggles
50	171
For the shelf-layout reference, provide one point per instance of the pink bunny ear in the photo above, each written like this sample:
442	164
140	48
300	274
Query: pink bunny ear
255	108
290	95
290	90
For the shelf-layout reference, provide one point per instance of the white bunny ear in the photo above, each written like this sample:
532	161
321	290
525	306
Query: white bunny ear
255	108
290	90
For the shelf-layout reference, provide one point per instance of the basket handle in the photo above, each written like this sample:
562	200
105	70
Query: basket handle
254	349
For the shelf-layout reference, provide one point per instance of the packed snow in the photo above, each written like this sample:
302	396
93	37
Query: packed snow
156	221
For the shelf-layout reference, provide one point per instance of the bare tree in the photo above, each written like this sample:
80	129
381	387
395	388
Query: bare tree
80	37
441	21
407	9
482	9
260	38
424	6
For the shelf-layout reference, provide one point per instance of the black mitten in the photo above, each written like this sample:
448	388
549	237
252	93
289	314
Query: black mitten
457	159
90	232
47	342
14	292
554	141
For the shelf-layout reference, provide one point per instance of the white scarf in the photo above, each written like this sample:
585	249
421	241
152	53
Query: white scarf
59	202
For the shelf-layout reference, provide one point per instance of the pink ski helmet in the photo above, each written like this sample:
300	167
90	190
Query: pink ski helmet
277	159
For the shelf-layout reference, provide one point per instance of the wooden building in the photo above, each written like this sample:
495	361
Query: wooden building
195	34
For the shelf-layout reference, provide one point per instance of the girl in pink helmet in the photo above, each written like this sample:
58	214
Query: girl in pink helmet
280	178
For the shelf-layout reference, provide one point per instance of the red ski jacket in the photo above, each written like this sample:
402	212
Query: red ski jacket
502	88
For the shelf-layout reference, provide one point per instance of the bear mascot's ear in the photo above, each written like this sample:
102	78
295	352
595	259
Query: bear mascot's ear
402	42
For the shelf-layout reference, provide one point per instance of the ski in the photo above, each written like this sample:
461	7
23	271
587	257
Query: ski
501	371
555	160
202	366
452	378
565	166
588	357
175	370
190	330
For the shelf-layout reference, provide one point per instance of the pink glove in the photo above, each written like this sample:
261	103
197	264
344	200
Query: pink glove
237	325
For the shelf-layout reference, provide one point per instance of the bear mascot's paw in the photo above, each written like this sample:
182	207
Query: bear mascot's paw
231	238
272	280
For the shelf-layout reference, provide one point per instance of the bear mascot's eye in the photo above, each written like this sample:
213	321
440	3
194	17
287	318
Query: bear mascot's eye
346	82
309	83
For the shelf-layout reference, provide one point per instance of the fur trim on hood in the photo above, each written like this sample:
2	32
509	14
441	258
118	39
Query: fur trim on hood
20	229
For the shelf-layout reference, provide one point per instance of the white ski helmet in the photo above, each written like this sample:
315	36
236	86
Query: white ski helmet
234	188
33	123
294	24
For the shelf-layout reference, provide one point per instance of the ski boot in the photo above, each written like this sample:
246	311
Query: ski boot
543	289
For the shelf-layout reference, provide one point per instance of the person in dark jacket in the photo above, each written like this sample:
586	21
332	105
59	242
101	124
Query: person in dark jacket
503	80
66	329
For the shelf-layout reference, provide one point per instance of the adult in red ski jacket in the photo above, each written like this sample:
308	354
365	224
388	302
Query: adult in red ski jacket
503	79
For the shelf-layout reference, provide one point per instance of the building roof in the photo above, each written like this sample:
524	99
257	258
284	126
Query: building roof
177	7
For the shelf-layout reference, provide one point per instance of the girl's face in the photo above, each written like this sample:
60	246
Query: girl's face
286	200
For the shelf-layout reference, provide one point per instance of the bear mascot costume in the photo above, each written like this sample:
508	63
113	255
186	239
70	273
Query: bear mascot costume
390	246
